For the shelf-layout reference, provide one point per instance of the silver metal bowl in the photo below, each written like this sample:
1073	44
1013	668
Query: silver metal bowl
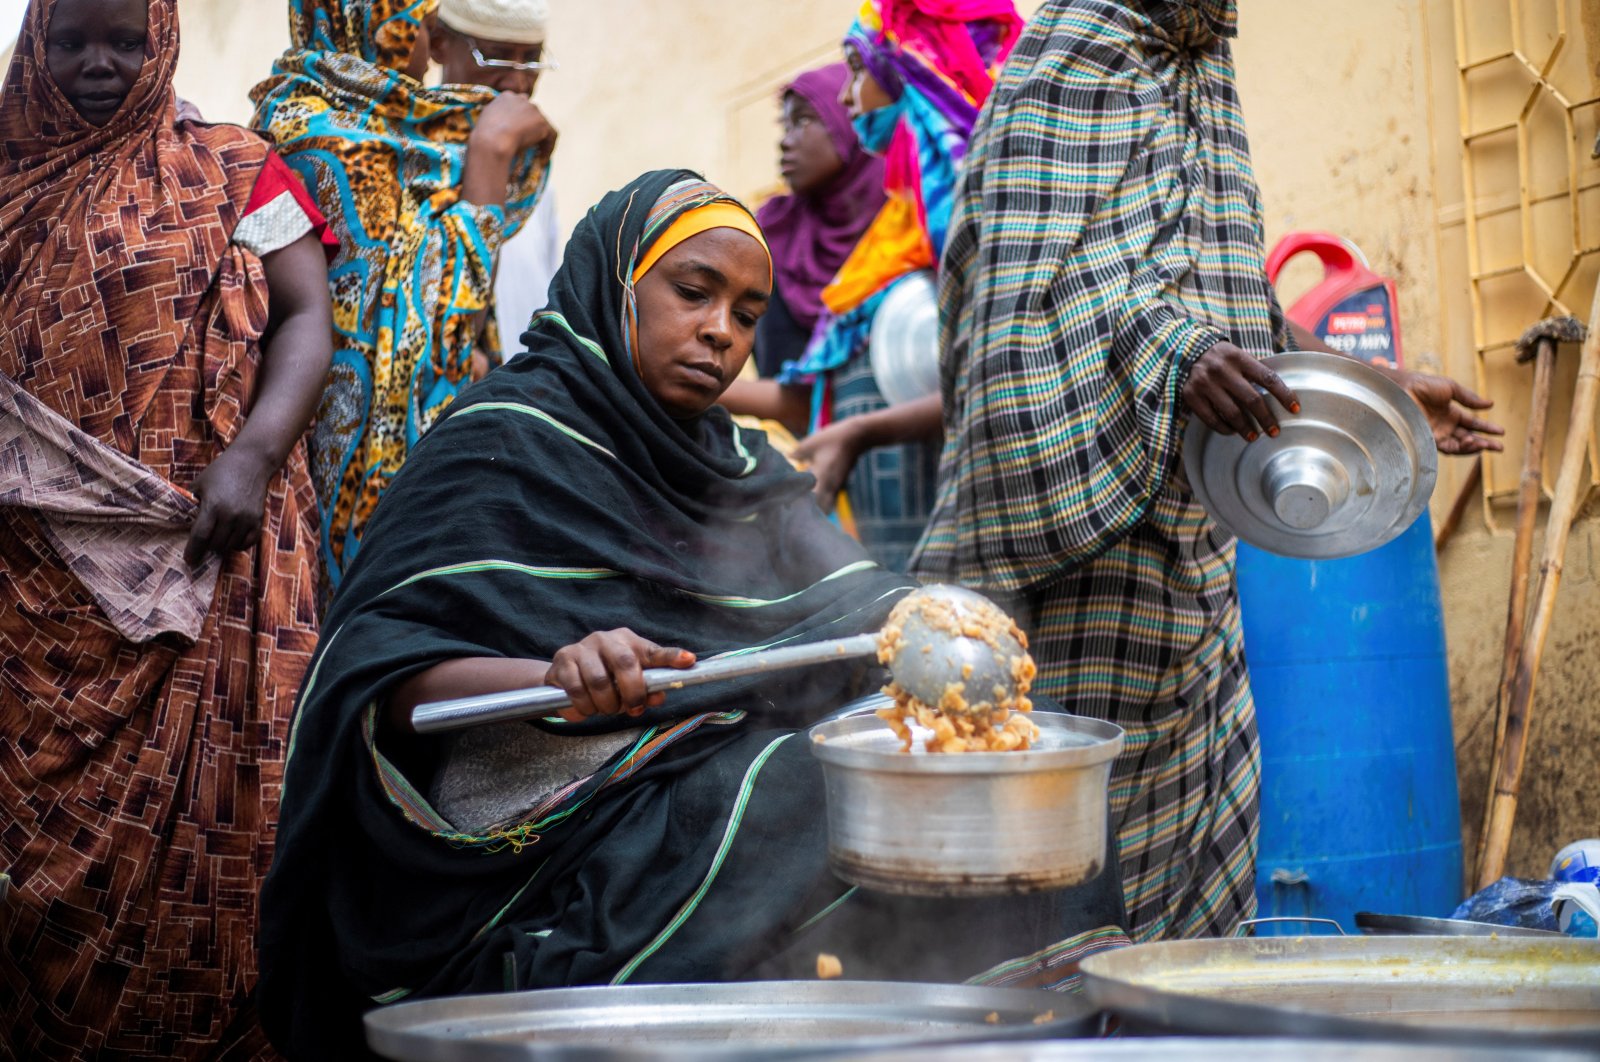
765	1020
970	823
1472	991
1347	474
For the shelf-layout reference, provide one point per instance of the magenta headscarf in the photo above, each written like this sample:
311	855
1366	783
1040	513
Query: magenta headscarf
811	236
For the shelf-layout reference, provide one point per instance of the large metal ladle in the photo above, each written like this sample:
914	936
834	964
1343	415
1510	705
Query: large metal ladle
928	661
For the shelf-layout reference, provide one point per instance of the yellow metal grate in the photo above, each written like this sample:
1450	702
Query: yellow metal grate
1529	107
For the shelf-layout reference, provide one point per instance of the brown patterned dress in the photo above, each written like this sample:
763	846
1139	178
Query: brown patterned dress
143	714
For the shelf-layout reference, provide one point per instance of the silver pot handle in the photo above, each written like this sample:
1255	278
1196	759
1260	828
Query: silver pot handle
1248	922
513	705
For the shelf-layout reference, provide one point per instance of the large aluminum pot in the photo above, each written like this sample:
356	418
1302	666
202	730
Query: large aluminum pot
1215	1049
688	1023
1457	990
971	823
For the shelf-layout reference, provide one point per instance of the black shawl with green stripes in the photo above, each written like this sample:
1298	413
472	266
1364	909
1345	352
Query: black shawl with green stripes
556	499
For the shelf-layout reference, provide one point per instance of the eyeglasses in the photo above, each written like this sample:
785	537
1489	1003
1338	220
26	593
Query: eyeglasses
533	67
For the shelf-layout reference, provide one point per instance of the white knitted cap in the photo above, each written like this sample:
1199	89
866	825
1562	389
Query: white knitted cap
508	21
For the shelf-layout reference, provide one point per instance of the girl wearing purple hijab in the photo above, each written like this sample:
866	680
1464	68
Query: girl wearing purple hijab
836	189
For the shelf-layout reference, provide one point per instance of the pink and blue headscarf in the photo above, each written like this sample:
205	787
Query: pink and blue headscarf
937	60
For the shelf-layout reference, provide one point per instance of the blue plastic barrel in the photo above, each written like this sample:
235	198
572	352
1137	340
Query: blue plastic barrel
1359	809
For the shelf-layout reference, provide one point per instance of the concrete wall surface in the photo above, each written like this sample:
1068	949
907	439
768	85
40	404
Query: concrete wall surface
1355	111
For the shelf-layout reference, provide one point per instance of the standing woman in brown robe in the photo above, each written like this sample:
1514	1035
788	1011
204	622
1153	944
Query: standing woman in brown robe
164	334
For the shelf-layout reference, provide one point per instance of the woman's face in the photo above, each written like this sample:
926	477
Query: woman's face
862	93
698	309
808	160
94	50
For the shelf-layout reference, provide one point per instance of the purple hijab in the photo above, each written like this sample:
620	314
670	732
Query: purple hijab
811	236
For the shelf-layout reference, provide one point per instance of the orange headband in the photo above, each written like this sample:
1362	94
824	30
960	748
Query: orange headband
718	215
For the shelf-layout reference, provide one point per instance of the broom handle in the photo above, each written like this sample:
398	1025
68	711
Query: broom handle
1507	770
1528	499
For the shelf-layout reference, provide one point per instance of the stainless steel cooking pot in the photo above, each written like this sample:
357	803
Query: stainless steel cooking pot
1461	990
969	823
686	1023
1215	1049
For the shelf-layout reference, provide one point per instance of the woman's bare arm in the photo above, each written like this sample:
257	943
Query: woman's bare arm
296	352
462	677
770	400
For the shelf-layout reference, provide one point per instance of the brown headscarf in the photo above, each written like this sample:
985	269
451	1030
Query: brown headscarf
111	237
140	758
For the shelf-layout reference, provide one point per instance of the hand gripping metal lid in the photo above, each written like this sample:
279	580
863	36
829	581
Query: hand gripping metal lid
1348	473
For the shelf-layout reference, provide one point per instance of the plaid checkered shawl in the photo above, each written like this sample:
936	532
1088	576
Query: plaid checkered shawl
1107	232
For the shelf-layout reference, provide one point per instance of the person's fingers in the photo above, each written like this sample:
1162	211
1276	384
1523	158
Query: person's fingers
229	536
597	685
567	672
564	676
1228	411
1470	399
666	655
1262	376
1253	403
1200	407
826	498
1481	426
200	535
623	665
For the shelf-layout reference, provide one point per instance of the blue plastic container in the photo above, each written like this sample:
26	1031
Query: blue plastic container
1359	808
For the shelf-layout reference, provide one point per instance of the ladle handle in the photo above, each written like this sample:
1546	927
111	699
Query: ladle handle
512	705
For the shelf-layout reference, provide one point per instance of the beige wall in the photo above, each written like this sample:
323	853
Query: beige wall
1353	115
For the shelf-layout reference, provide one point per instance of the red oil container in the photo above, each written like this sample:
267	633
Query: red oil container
1352	309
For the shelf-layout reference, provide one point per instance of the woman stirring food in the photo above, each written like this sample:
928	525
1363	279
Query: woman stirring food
164	333
638	838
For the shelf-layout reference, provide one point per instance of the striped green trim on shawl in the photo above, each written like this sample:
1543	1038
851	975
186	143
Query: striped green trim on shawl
1053	969
746	787
561	322
1106	234
530	411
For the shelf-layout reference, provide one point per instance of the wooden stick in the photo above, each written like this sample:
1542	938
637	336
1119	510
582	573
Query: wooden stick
1458	509
1544	360
1507	773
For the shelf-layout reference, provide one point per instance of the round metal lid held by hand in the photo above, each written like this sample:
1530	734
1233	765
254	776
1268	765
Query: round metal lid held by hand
1348	473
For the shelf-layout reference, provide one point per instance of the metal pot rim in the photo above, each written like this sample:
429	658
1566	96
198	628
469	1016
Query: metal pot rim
840	743
1120	981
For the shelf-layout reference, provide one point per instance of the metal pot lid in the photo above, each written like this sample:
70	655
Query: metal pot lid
684	1022
1347	474
1378	925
